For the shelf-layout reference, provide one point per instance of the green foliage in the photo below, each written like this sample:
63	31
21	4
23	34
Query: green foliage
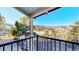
69	36
2	24
46	33
53	33
50	33
24	20
15	32
20	26
1	19
74	32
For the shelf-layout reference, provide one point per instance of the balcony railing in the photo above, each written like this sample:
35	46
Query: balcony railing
40	43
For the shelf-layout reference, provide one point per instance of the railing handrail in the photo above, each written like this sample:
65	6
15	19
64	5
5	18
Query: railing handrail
59	40
15	41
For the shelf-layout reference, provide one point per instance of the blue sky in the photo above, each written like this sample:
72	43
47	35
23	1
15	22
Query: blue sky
62	17
10	14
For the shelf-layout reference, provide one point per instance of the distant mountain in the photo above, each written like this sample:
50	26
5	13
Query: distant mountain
51	27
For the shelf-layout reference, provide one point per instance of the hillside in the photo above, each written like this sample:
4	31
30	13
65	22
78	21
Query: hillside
61	31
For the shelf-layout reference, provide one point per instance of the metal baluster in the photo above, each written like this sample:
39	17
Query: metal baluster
55	45
30	44
72	47
11	47
22	46
37	42
59	45
51	44
17	46
3	48
42	44
47	45
65	46
31	41
26	44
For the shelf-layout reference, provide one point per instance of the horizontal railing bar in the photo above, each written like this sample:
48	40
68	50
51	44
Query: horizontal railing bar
1	45
60	40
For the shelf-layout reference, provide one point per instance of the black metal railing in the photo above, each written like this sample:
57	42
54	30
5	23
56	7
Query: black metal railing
40	43
16	45
53	44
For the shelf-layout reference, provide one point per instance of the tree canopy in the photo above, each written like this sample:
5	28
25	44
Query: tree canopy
20	26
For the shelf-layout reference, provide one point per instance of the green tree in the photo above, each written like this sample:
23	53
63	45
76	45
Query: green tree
20	26
15	32
24	20
46	33
2	19
2	24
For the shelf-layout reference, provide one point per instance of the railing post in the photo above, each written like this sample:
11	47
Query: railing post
37	42
31	33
